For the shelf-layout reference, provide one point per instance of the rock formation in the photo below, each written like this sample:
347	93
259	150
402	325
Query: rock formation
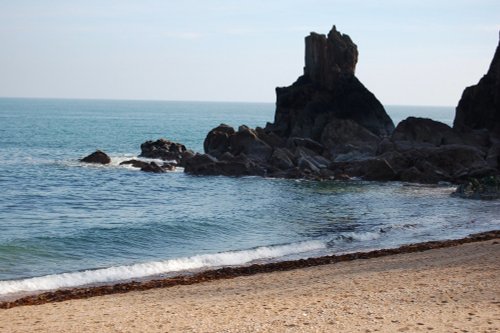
97	157
329	126
479	107
328	92
165	150
326	114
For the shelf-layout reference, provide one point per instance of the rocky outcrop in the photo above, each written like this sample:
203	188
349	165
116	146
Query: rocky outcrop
479	107
97	157
329	126
425	132
328	91
326	115
165	150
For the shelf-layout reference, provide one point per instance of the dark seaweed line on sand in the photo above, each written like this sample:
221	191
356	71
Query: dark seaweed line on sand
232	272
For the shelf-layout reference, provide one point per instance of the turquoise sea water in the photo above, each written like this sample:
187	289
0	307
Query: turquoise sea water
64	223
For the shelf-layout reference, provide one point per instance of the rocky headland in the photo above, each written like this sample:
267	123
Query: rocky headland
328	125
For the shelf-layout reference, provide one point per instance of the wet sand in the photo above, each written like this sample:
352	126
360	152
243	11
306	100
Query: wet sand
451	289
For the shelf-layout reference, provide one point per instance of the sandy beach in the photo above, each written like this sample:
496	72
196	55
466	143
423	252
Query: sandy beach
455	289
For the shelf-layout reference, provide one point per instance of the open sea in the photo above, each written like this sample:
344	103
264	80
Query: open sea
66	224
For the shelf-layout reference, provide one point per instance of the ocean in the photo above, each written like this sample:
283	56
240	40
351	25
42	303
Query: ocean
66	224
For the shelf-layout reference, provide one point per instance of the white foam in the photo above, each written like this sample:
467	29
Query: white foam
361	236
118	273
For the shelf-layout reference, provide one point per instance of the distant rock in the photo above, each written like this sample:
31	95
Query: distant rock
97	157
479	107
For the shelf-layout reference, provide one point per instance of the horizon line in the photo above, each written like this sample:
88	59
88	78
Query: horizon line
189	101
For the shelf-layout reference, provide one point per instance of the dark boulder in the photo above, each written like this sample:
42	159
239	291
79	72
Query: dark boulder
224	139
479	106
246	141
228	165
307	143
163	149
425	131
97	157
306	157
368	169
240	165
153	167
217	140
345	139
203	164
444	163
282	159
185	156
270	138
135	163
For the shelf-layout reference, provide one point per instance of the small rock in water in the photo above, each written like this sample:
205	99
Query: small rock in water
135	163
150	166
97	157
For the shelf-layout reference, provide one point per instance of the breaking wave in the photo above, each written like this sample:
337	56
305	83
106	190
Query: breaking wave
141	270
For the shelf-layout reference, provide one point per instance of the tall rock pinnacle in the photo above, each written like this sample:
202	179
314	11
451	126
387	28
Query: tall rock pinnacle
327	58
328	92
479	106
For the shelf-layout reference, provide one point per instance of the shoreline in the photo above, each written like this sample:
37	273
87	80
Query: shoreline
233	272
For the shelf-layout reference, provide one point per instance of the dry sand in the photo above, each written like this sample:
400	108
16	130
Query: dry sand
453	289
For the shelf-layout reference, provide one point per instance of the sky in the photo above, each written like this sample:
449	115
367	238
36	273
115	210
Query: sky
412	52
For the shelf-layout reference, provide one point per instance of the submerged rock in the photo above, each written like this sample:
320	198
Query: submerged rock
97	157
486	188
150	166
135	163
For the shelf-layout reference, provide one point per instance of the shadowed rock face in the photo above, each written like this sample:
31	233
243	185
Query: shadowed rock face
328	90
479	107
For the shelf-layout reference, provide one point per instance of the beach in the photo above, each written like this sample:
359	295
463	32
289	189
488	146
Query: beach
452	289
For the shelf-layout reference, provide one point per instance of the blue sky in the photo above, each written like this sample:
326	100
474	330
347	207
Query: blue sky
411	52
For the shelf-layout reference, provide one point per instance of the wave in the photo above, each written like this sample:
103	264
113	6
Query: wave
116	161
357	236
119	273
